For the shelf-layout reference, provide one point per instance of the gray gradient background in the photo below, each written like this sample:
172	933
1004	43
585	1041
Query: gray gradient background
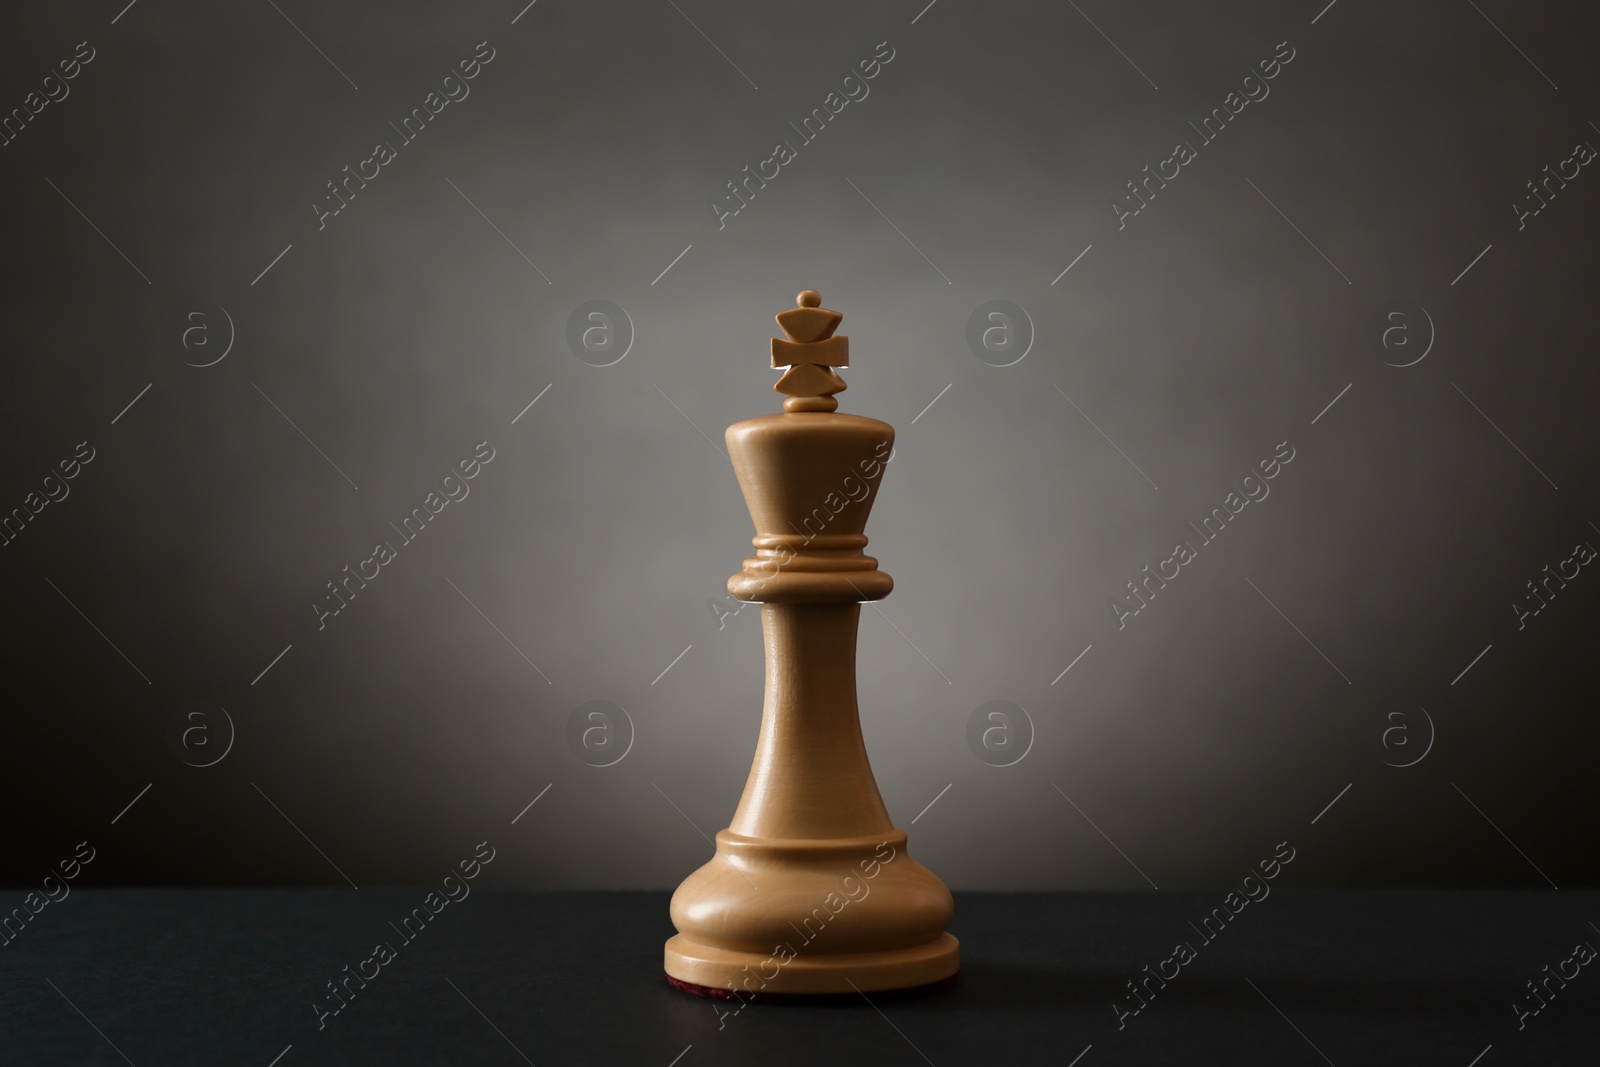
408	330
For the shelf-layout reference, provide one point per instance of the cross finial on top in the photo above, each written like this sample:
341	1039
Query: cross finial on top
810	354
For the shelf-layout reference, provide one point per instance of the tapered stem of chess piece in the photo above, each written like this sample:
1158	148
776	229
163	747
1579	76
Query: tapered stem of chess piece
811	890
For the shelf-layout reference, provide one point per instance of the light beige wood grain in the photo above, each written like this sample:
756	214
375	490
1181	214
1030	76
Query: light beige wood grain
811	889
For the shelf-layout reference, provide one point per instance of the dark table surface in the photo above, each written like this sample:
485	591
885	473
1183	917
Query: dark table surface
232	977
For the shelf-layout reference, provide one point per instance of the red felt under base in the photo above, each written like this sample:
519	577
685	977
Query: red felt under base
810	998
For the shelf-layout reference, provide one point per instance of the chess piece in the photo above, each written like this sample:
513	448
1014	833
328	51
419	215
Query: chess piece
811	890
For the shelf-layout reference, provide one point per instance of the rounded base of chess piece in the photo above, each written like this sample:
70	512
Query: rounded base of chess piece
924	969
711	993
791	916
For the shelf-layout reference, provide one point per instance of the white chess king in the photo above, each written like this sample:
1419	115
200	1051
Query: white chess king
811	890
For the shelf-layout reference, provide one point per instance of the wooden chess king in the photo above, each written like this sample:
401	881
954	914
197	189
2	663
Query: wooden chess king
811	890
